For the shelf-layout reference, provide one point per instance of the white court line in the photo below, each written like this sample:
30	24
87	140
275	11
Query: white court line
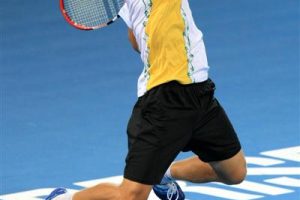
260	188
30	195
291	153
284	181
222	193
273	171
90	183
265	162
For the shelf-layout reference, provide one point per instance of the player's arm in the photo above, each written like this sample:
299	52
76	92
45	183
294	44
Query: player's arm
133	40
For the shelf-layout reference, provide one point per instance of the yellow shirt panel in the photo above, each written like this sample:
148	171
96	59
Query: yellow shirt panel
167	52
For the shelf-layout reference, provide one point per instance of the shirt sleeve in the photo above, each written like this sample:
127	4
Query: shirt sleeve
124	14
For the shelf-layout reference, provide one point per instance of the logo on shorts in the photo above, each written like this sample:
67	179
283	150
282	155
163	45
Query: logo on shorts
275	173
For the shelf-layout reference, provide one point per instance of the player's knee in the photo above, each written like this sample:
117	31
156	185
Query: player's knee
237	178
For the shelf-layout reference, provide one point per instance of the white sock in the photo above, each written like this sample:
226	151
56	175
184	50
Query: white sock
168	172
66	196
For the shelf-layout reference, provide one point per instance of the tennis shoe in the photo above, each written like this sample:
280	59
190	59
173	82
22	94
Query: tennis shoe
168	189
55	193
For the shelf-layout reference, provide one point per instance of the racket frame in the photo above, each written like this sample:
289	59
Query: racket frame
80	26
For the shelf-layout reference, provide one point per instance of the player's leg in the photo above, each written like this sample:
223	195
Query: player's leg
128	190
229	171
193	170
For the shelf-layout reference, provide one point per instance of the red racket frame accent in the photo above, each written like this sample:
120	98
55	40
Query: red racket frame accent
72	23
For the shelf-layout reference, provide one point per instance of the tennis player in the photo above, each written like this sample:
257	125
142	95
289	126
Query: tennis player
176	111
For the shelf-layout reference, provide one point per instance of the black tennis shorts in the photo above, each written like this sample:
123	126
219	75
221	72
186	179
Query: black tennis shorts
171	118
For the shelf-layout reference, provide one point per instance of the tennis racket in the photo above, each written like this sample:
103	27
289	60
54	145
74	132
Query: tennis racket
90	14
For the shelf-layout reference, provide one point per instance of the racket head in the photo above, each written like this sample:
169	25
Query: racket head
90	14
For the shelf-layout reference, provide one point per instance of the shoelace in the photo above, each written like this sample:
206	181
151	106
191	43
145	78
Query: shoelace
172	191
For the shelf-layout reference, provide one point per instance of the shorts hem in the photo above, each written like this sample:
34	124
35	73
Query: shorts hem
134	179
222	158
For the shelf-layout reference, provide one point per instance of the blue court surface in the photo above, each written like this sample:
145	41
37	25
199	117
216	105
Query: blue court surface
66	97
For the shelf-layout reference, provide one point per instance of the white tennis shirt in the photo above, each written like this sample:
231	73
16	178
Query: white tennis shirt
171	46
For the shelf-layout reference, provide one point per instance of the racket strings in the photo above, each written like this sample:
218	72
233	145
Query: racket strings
92	13
86	12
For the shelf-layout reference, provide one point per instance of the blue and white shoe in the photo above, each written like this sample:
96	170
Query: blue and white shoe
168	189
55	193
